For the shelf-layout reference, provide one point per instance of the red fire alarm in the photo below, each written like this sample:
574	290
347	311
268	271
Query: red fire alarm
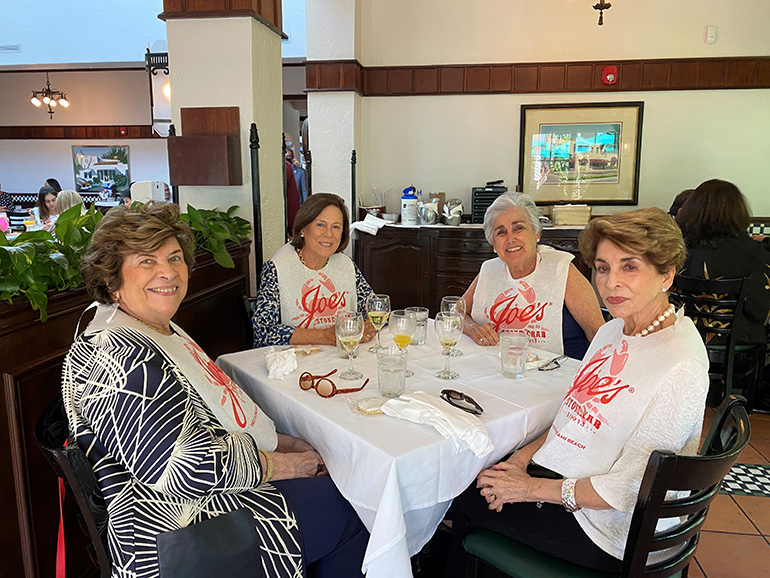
609	75
124	129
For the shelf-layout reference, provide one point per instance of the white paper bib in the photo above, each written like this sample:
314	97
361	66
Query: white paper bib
234	410
310	299
532	304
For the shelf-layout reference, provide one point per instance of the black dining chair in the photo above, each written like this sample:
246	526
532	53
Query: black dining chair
700	475
712	305
16	219
248	306
71	464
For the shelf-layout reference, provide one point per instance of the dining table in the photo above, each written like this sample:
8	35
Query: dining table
401	476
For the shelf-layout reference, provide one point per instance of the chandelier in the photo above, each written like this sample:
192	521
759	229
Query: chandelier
51	98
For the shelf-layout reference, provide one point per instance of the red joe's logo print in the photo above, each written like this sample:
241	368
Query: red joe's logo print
319	302
597	384
519	309
230	391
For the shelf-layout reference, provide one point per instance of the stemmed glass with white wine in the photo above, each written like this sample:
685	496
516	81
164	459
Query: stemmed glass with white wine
403	325
453	305
378	309
449	328
350	329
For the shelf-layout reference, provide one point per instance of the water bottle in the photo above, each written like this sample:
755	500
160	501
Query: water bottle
409	207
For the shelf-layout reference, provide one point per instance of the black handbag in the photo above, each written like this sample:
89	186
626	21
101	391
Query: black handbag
227	545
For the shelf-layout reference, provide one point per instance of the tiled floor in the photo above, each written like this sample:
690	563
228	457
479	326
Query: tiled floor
735	542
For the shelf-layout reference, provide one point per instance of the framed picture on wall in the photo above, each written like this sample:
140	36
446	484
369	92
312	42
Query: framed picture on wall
581	153
101	167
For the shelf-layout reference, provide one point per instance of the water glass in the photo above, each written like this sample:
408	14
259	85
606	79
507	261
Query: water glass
514	346
391	371
420	334
453	305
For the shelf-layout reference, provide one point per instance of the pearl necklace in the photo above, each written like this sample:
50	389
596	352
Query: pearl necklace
656	324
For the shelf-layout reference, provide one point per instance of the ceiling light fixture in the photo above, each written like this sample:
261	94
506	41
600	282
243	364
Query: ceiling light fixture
51	98
601	6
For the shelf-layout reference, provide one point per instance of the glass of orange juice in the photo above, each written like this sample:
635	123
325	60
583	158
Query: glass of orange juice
403	325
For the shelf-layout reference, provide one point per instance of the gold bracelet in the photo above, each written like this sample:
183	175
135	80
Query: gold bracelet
266	477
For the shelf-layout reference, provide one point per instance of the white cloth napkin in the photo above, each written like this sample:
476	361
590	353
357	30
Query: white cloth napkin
370	224
465	430
280	363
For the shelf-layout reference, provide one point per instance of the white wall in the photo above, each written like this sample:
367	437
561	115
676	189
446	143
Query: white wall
457	31
293	14
453	143
26	164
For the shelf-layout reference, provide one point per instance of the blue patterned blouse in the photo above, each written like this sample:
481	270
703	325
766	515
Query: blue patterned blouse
268	329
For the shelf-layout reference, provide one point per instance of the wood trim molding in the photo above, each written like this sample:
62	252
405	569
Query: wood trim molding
268	12
539	77
75	132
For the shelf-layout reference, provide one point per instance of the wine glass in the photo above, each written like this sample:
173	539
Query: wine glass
456	306
449	328
403	325
349	329
378	309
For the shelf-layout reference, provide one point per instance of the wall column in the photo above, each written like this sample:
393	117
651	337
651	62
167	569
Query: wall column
230	59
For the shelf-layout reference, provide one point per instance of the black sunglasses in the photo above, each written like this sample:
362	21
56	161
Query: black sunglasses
458	399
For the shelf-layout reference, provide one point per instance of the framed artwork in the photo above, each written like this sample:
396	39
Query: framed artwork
581	153
101	167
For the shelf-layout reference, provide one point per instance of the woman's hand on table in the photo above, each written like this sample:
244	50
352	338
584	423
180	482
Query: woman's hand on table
290	445
369	332
485	335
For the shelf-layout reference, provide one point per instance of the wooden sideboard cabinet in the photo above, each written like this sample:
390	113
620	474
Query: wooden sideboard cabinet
420	265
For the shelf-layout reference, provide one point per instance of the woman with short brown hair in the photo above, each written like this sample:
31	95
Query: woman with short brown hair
173	441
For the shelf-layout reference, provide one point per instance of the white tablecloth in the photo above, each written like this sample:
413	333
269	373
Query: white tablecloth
400	476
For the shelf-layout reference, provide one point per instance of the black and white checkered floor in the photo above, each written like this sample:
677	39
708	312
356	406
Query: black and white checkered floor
747	480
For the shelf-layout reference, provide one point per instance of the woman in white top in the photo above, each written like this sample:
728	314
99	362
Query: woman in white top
641	386
45	210
529	287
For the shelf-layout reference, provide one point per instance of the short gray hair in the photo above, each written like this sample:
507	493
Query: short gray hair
511	200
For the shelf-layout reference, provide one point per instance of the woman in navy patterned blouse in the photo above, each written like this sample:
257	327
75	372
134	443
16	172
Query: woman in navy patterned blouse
308	280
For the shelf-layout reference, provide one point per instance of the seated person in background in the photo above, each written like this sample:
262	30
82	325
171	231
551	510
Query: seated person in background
124	198
528	286
6	202
67	199
45	210
169	451
166	193
654	368
308	280
54	184
714	223
679	200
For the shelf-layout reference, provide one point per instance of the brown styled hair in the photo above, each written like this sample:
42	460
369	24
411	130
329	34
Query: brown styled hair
309	211
129	230
42	208
650	233
715	208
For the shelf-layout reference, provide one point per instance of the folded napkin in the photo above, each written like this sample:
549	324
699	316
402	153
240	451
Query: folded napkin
280	363
465	430
370	224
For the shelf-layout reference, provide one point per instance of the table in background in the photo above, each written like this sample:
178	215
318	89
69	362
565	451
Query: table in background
401	476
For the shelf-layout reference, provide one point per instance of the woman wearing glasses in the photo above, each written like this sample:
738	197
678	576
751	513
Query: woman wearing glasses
529	287
172	439
309	279
641	386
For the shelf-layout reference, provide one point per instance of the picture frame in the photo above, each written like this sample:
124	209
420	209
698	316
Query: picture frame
581	153
100	168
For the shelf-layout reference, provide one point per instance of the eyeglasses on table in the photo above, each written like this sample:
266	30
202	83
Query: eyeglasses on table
461	401
324	386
